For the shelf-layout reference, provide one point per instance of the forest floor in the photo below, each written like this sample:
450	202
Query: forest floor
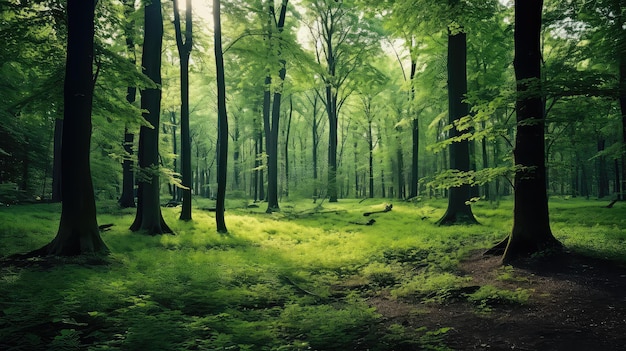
576	303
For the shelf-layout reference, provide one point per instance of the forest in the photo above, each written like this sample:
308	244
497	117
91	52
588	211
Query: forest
312	175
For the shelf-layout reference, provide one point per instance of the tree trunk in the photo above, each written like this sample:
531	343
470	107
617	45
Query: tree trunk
531	224
415	129
127	198
184	52
222	121
174	123
485	158
332	145
370	146
458	211
603	176
287	146
148	217
315	144
78	231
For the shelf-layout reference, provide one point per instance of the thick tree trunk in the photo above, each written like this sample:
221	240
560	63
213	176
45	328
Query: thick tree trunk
458	211
531	224
78	229
148	217
222	121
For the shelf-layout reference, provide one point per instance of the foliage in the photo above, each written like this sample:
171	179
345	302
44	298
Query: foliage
275	282
488	296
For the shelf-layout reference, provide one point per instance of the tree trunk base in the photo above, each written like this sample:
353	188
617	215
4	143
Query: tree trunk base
457	218
498	249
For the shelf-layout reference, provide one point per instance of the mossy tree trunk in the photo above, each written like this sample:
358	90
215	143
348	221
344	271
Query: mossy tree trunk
531	225
78	229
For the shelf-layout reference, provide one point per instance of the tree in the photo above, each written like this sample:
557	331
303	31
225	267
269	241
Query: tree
531	224
184	51
222	121
342	42
272	125
149	217
127	198
458	211
78	231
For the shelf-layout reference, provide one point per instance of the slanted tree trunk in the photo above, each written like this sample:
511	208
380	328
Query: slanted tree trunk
149	217
531	224
458	211
222	121
78	229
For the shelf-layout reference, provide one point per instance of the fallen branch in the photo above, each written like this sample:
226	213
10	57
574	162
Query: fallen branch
370	222
388	208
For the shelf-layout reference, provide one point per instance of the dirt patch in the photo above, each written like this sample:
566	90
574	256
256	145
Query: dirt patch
575	303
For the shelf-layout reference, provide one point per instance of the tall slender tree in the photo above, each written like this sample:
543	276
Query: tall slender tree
127	198
222	121
531	224
271	120
78	231
184	51
149	217
458	211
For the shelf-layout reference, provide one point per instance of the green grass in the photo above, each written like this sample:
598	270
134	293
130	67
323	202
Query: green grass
293	280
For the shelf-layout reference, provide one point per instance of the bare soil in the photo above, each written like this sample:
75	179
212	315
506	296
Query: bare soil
576	303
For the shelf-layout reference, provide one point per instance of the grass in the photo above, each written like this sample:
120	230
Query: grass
294	280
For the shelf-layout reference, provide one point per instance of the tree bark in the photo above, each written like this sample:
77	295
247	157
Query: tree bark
149	217
78	231
222	121
531	224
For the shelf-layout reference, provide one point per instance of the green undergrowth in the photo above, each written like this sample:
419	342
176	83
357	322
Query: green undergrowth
298	279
